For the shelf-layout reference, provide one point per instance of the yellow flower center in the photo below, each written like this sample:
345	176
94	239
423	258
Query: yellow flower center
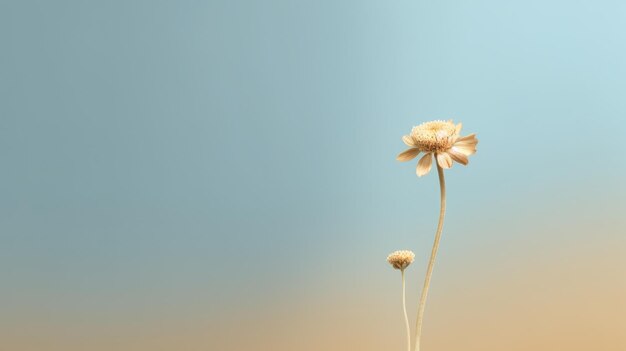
434	136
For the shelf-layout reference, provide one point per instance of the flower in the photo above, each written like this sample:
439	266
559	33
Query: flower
401	259
441	139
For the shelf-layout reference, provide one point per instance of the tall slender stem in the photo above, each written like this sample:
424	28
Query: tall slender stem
406	317
433	255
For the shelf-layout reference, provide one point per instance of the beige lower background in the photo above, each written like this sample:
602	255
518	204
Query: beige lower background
572	301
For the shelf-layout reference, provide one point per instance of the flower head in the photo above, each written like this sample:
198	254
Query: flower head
440	139
401	259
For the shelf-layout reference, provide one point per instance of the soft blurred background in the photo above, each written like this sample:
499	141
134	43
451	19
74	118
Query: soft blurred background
221	175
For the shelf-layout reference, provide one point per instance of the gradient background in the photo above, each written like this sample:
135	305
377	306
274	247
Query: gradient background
221	175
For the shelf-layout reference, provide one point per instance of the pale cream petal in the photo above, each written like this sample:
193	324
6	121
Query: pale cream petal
466	145
467	142
444	160
408	140
464	149
424	164
467	137
408	155
458	156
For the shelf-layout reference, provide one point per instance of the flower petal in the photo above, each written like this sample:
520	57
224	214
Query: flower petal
408	140
408	155
466	145
468	138
458	156
424	164
465	149
444	160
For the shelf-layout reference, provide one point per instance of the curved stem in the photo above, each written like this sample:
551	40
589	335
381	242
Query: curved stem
433	255
406	317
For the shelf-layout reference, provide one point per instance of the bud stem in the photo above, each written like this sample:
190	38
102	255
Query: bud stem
406	317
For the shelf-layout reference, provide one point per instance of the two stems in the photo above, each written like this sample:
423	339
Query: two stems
431	263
